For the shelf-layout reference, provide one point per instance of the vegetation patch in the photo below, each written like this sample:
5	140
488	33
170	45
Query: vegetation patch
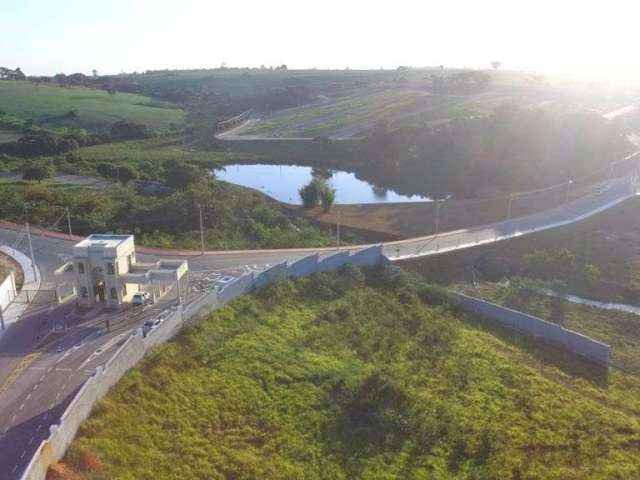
77	107
358	375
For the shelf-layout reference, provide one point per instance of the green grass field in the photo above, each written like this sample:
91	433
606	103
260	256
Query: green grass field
9	136
344	377
96	109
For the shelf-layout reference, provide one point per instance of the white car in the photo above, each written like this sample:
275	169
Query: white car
140	298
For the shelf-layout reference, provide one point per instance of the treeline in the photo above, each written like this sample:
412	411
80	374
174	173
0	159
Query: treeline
37	143
512	149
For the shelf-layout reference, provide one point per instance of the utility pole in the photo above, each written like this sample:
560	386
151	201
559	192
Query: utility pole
568	188
509	207
201	230
69	222
338	230
33	261
438	205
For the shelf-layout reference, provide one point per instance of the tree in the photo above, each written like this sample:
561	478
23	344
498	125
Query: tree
180	175
126	174
327	197
129	130
37	172
105	169
496	65
310	194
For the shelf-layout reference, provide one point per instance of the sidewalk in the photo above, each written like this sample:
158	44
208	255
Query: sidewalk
31	282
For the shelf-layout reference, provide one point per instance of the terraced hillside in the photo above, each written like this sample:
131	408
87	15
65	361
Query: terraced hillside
357	114
94	110
359	375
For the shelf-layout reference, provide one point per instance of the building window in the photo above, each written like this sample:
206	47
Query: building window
110	270
83	291
81	268
114	293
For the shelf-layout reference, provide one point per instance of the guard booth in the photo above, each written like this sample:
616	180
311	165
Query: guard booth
103	270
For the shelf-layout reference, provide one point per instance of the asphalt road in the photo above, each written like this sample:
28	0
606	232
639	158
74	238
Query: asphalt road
41	366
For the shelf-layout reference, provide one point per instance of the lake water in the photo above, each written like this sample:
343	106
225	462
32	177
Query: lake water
283	181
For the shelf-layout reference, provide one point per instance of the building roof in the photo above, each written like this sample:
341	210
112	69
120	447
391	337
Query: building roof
106	241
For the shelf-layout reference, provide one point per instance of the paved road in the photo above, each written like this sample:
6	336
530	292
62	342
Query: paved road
41	368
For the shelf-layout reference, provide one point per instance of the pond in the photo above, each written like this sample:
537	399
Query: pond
283	181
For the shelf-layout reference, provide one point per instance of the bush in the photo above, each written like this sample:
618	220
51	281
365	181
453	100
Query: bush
316	191
327	197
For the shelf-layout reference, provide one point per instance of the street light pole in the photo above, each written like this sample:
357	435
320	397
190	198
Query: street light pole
69	222
201	230
568	188
33	261
438	205
338	230
509	206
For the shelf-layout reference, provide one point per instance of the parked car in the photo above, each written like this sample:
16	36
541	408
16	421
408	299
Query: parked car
140	298
149	324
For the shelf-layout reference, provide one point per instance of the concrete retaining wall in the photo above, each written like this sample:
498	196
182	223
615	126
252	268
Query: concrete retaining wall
7	291
137	346
574	342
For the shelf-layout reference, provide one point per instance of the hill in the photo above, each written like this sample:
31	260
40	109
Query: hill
356	375
77	107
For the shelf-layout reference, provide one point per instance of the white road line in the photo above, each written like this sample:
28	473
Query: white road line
42	378
38	427
30	440
13	419
35	387
57	396
64	386
52	405
24	452
21	406
15	467
27	397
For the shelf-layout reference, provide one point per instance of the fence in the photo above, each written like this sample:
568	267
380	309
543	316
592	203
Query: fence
550	332
138	344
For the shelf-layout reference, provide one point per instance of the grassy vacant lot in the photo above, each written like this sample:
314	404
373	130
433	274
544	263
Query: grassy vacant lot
96	110
343	377
621	330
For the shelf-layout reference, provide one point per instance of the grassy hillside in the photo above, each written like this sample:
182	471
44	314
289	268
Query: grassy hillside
357	114
344	377
96	110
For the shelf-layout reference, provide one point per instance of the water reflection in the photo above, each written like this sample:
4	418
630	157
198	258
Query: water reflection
283	181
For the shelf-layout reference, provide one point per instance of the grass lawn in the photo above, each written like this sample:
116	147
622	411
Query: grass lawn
621	330
9	136
342	377
96	109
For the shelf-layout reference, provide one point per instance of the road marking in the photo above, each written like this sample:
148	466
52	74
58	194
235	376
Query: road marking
21	406
35	387
28	397
13	419
24	363
42	378
38	427
24	452
30	440
52	405
57	396
15	467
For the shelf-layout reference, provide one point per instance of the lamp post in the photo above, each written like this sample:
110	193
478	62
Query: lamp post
509	206
438	205
569	183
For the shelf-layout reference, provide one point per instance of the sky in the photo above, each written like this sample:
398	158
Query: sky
585	39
